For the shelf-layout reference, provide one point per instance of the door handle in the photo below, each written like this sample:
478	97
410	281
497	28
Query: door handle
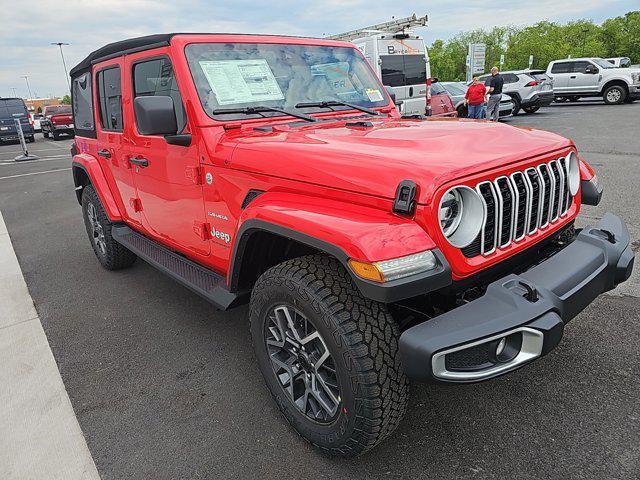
411	91
104	153
140	162
572	76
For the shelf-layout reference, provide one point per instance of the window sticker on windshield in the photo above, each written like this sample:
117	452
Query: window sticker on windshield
374	95
241	81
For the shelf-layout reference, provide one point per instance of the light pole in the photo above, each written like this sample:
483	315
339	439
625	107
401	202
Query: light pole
26	79
66	74
14	91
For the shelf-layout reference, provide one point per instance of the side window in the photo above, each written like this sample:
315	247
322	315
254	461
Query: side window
510	78
562	67
82	102
579	67
156	77
110	99
437	89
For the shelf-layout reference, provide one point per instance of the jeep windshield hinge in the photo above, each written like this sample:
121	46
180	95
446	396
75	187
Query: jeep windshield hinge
404	203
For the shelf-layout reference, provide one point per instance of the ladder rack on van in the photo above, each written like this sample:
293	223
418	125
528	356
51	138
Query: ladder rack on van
393	26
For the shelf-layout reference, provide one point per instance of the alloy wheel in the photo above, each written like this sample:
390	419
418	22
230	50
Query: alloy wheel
614	95
96	229
302	363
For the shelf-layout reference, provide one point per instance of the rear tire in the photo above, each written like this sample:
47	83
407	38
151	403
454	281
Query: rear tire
111	254
533	109
31	139
45	134
614	95
516	106
361	339
55	135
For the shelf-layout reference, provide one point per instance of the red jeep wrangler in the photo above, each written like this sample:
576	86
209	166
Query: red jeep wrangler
372	249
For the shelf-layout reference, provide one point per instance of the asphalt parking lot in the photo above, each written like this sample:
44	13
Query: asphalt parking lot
164	387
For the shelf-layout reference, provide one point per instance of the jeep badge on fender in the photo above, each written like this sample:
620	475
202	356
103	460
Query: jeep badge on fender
373	250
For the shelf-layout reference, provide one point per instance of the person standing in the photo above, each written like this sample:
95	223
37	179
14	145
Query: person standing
474	99
494	83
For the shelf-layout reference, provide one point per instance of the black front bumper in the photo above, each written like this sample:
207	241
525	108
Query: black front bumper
528	310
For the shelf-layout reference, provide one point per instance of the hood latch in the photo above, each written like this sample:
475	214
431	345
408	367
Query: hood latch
404	203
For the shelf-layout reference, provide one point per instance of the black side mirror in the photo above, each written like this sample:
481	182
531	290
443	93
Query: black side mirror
591	69
391	93
155	115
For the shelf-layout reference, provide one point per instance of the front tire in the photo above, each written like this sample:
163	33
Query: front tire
530	110
111	254
55	135
351	355
516	106
614	95
45	133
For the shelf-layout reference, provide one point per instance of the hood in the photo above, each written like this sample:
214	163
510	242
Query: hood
373	158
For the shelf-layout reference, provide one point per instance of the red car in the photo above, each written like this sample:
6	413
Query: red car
372	250
56	120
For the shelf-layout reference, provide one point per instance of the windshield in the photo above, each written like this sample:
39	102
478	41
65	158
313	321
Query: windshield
602	63
237	75
455	88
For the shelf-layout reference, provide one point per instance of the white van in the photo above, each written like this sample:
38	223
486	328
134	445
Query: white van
402	62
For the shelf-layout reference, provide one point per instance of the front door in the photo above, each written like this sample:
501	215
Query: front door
581	81
168	185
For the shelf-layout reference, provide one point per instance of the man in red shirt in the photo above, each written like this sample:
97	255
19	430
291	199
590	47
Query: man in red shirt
474	99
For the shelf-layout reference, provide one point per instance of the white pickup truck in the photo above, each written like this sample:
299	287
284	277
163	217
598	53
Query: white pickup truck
593	77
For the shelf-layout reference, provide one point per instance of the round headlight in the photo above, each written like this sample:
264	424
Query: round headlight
461	214
573	172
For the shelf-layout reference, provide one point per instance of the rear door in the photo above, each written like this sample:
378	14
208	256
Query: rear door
560	72
112	147
404	68
169	185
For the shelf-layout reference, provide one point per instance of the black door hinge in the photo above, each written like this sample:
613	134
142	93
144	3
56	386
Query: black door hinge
404	203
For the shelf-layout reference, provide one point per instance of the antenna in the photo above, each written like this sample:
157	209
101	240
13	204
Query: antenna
393	26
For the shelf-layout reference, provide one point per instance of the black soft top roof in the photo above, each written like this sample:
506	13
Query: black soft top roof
118	48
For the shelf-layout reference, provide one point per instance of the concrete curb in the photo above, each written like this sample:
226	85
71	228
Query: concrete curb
40	434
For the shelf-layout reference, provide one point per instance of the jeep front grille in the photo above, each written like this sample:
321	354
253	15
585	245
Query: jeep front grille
520	204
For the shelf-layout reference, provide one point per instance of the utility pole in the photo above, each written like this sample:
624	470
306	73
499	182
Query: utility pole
66	74
14	91
584	39
26	79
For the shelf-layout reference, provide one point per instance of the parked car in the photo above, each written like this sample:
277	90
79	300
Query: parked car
457	91
527	93
57	120
35	119
372	249
441	102
594	77
10	110
619	62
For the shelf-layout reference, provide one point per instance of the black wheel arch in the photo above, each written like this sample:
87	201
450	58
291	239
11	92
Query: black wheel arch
260	245
81	179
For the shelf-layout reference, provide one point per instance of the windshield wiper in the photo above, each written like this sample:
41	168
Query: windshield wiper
259	110
336	103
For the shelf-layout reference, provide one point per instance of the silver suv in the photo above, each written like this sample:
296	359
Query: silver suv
527	92
594	77
457	91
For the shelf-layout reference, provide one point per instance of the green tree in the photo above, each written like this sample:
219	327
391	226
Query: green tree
66	100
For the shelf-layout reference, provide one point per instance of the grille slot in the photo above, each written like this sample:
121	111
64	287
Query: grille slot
521	204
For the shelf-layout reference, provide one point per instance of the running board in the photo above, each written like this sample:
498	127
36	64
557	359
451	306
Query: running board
197	278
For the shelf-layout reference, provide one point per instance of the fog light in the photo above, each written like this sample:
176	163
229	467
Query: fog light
501	345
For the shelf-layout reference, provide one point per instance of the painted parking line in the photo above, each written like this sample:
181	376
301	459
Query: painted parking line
42	159
41	437
35	173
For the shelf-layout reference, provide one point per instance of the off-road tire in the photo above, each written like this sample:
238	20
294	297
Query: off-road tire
361	337
532	109
114	256
614	95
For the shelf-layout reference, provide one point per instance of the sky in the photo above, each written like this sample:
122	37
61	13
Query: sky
28	28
